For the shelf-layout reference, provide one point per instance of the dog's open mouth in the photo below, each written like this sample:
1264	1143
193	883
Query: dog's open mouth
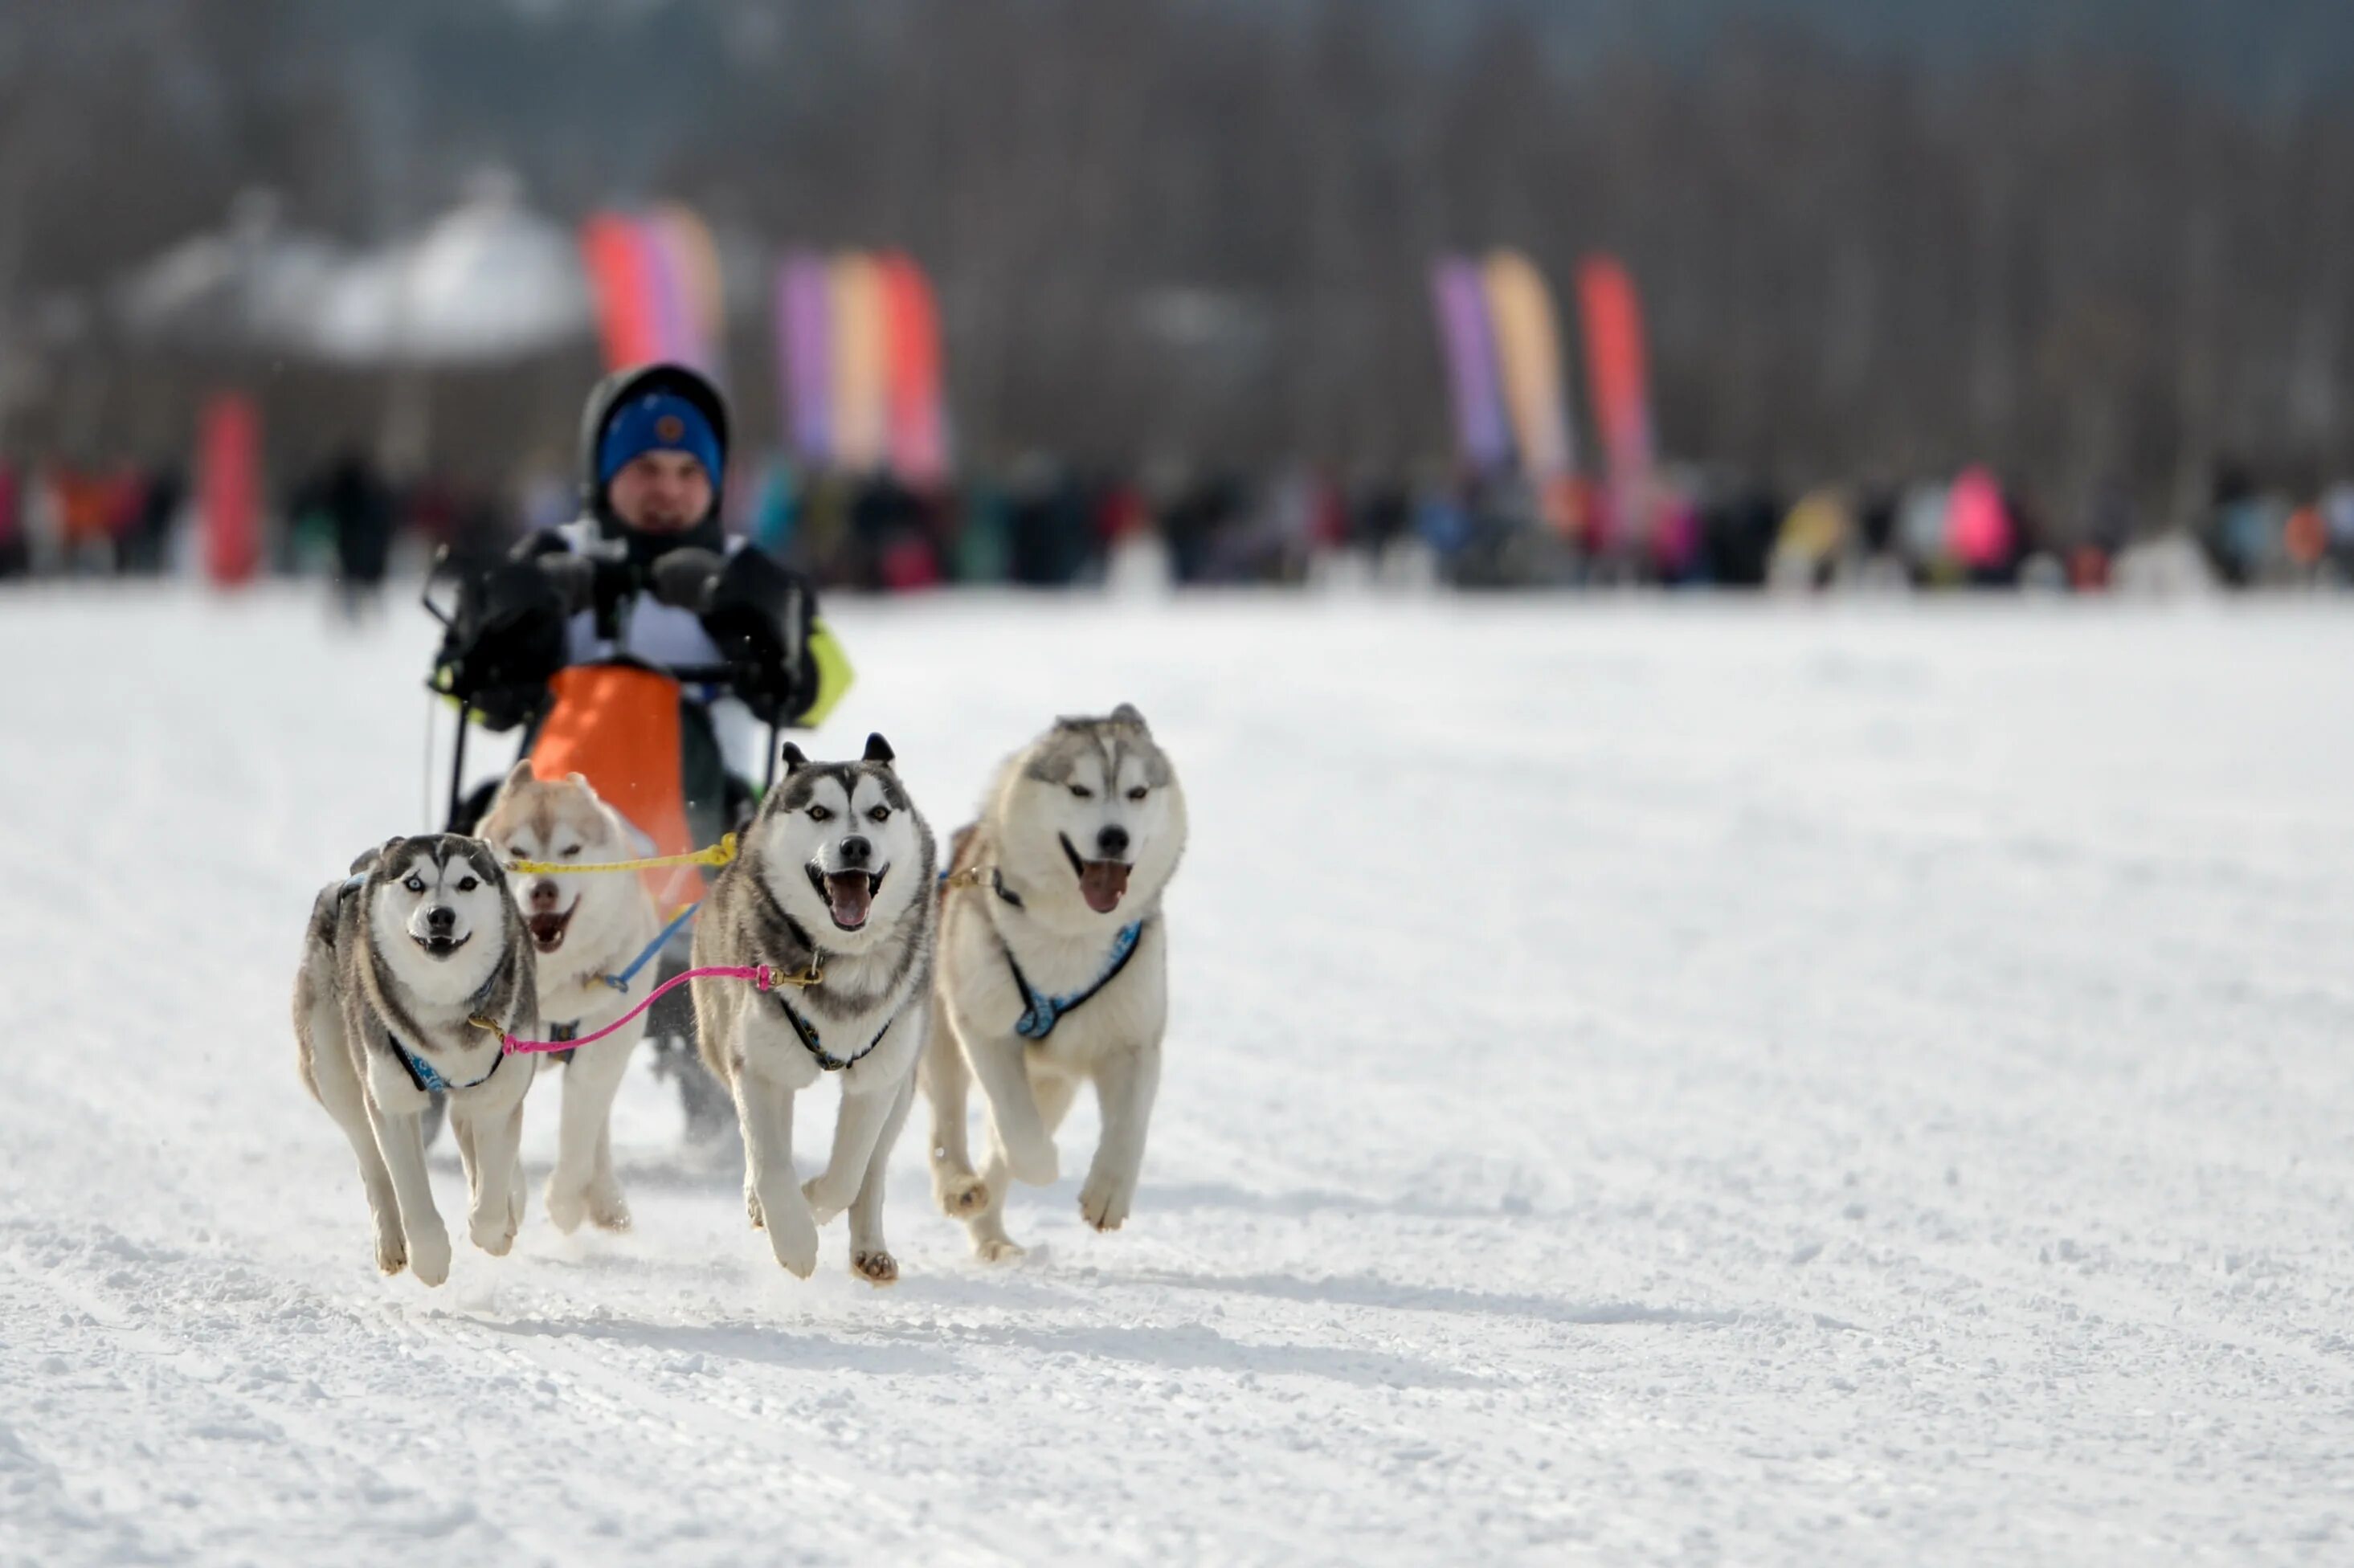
548	930
1101	882
442	947
848	894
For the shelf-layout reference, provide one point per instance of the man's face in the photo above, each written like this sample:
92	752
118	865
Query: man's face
661	492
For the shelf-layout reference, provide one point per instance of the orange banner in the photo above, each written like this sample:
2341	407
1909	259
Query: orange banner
1528	350
862	417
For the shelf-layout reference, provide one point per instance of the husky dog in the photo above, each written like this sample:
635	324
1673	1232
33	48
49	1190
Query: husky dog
1054	967
411	969
833	886
583	931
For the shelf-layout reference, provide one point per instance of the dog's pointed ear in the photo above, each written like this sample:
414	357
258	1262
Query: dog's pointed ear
1127	714
879	750
582	780
517	777
795	759
369	859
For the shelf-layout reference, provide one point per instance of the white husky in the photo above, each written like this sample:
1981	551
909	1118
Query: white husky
585	930
411	969
1054	968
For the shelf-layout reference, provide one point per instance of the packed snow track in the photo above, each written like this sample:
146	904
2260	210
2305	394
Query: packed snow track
1649	1081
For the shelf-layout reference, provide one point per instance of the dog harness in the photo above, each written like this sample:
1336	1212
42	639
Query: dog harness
1041	1013
564	1034
828	1062
428	1079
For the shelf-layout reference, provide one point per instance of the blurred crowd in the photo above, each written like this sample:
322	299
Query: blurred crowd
1042	523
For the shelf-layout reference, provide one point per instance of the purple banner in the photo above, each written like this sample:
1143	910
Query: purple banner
805	353
666	294
1482	434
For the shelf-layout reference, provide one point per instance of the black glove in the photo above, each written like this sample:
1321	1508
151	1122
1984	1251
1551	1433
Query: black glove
758	613
506	638
683	578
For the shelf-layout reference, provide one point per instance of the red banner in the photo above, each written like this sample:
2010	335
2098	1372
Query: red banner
613	248
229	469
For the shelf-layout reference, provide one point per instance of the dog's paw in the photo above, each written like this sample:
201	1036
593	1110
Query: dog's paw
752	1210
1036	1164
878	1267
608	1210
1104	1204
567	1206
797	1251
959	1193
997	1249
823	1204
391	1252
494	1233
429	1257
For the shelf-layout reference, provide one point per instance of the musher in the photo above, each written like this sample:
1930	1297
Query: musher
637	645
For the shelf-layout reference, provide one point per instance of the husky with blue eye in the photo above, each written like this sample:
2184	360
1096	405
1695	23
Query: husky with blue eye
412	968
1054	968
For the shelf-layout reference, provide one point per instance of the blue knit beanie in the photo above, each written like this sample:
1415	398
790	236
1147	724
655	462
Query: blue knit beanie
658	421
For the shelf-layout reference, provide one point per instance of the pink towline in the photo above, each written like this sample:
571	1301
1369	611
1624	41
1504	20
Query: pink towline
761	975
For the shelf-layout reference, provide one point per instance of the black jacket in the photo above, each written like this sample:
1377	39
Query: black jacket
509	634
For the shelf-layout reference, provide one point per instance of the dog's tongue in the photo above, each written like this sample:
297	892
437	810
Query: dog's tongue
546	929
848	893
1102	882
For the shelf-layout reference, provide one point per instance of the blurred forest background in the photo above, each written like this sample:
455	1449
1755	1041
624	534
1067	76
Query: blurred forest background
2093	243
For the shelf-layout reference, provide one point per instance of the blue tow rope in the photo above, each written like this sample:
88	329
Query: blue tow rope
620	982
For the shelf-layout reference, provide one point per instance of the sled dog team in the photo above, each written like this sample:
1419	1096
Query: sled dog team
1033	961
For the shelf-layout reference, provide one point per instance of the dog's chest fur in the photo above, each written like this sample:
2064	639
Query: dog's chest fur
981	929
859	995
621	920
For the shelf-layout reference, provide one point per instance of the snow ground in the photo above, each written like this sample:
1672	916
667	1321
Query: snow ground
1649	1081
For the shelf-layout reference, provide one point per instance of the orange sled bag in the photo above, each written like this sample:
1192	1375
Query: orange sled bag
617	726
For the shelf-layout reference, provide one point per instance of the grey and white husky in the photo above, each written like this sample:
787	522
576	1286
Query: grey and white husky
412	967
1054	968
833	885
583	928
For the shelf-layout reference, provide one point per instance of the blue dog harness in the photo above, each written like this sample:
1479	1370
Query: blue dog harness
428	1079
1041	1013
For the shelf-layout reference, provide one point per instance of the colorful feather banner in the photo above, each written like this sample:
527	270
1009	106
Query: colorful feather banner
694	306
1483	438
805	355
614	253
861	373
1528	353
918	436
1617	375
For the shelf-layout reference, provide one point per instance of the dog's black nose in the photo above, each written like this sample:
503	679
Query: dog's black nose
855	851
1113	842
441	920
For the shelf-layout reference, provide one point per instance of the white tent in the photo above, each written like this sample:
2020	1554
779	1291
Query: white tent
485	283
